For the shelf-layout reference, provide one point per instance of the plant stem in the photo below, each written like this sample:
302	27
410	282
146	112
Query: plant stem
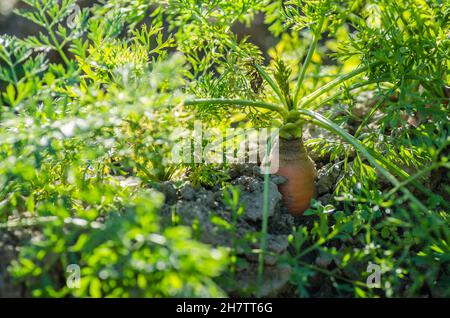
416	176
57	46
13	73
263	244
326	88
329	125
238	103
312	49
402	174
334	96
331	274
317	244
272	84
374	109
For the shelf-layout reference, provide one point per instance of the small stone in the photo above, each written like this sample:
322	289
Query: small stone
275	279
169	192
253	201
277	244
327	178
207	200
187	193
278	179
325	199
248	183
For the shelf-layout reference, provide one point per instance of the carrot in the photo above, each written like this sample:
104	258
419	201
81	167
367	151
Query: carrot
298	168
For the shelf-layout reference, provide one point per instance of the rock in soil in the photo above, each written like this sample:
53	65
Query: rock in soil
188	205
253	197
327	178
200	205
275	280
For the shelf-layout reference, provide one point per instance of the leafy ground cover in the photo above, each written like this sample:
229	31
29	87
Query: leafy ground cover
94	103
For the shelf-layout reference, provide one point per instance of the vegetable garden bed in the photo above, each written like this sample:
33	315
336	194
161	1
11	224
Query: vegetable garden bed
126	159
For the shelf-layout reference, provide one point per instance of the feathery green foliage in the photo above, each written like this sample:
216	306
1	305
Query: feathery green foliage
86	138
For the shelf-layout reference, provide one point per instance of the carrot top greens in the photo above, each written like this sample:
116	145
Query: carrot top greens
91	102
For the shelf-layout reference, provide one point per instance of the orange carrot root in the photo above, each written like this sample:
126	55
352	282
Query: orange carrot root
298	168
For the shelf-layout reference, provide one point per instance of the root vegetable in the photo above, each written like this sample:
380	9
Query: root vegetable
298	168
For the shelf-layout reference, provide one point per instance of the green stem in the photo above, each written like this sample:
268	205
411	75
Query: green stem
237	103
332	274
57	46
374	109
264	75
317	244
14	74
326	88
353	87
402	174
373	159
272	84
265	212
312	49
145	171
6	57
415	177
